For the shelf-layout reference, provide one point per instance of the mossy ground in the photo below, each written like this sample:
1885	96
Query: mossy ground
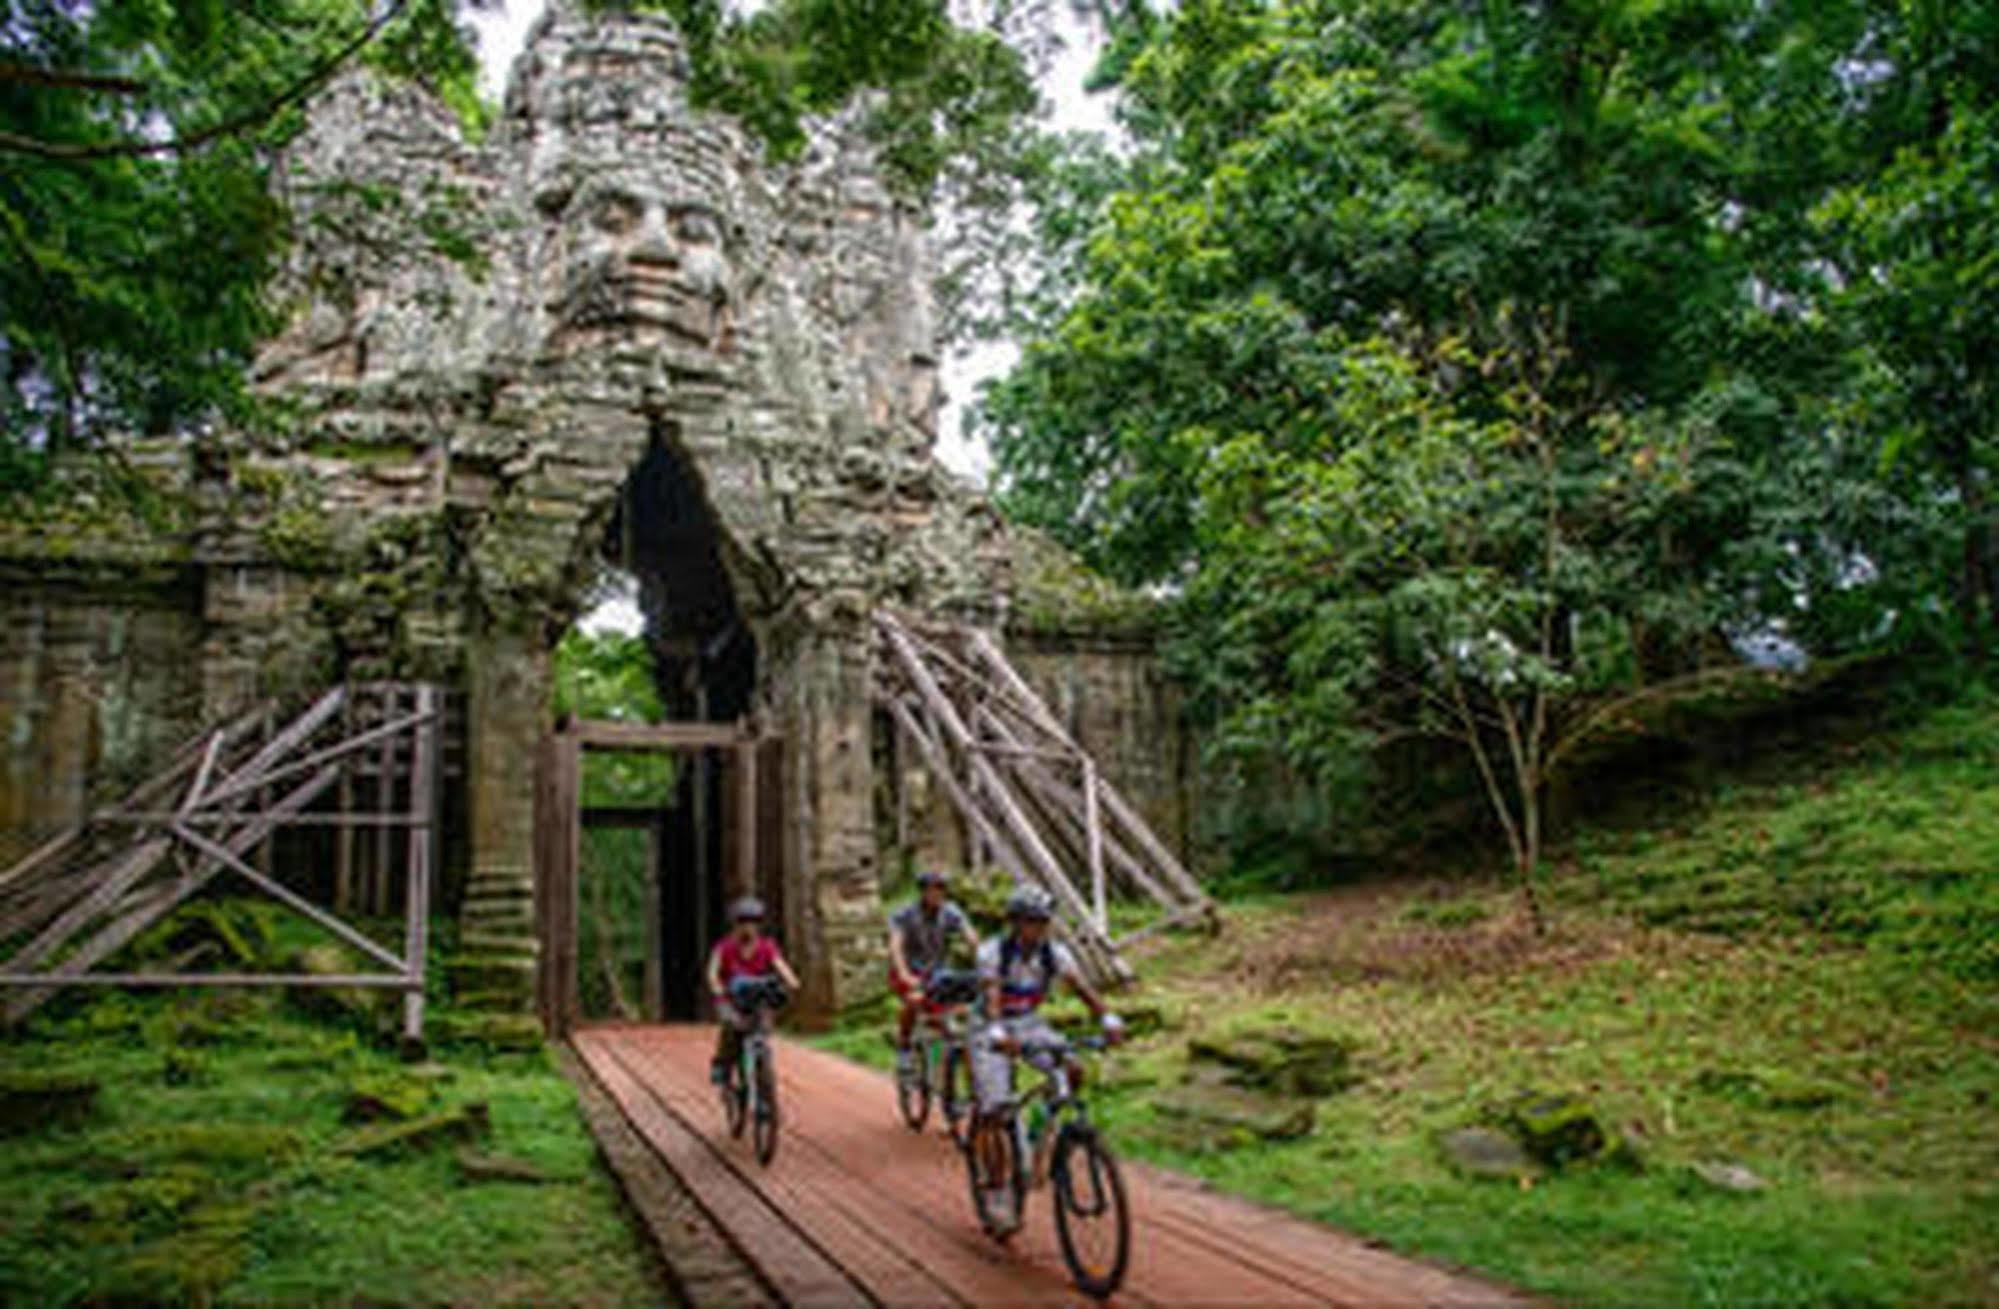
1792	970
216	1174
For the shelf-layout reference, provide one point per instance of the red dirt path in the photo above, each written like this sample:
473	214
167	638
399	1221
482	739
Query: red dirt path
856	1209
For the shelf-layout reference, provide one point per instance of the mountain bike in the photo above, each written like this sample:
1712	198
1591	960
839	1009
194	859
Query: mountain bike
1046	1135
940	1062
750	1094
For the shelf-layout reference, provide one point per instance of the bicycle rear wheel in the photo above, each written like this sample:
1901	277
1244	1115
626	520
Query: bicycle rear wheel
912	1088
994	1167
1090	1213
958	1102
765	1132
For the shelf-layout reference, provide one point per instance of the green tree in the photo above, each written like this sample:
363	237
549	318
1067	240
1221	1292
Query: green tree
1461	369
133	207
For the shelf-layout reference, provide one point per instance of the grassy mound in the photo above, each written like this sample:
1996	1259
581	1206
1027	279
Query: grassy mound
1773	1003
257	1182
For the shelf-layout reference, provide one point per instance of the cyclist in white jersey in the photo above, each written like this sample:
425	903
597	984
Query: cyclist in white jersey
1018	970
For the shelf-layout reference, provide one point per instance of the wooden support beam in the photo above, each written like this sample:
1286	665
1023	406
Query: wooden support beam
1115	804
284	895
124	873
112	937
1096	949
388	981
422	844
604	735
939	763
244	782
1068	804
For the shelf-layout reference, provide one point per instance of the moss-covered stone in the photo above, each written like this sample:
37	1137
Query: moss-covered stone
231	1145
1228	1115
480	1166
1482	1152
1771	1088
376	1098
1280	1058
1559	1129
505	1033
467	1123
31	1102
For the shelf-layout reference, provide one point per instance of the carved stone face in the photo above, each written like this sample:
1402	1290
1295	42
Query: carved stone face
639	259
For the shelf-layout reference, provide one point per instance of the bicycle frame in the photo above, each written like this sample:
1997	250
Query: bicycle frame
942	1032
1058	1091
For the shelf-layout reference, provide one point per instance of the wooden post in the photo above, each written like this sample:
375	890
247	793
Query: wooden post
385	803
569	834
1094	834
416	890
655	978
749	879
343	839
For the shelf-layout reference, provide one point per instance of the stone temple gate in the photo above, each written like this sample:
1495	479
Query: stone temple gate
611	332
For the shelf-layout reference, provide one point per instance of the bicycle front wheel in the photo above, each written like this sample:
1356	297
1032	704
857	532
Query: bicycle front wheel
994	1165
912	1087
765	1130
1090	1213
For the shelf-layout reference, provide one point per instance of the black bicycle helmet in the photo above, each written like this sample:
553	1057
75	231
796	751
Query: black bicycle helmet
1029	903
932	877
747	909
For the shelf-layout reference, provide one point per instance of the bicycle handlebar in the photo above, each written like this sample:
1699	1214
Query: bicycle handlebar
758	993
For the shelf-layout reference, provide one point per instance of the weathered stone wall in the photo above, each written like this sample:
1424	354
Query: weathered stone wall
99	678
1114	699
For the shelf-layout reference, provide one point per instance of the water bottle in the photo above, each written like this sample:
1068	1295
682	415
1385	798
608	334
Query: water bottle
1037	1118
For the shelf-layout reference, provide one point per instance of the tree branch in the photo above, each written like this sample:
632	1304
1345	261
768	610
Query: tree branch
65	79
67	152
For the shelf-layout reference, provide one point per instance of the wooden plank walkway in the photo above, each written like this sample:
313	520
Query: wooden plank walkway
856	1209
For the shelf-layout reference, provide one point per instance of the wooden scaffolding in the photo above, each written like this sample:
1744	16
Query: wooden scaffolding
1032	800
217	810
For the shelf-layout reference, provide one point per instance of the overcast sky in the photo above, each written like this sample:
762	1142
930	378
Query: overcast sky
502	32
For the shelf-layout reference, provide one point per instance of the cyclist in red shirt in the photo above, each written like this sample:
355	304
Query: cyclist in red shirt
745	953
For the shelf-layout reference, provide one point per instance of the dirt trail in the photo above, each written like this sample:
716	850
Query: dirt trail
856	1209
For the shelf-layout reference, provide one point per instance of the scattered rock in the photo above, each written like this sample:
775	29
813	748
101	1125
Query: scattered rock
1281	1059
505	1033
354	1006
1558	1129
1724	1176
467	1123
1236	1114
186	1068
478	1166
1771	1088
385	1099
1484	1152
30	1102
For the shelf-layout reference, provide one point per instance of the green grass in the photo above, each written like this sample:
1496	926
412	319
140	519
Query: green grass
211	1173
1793	970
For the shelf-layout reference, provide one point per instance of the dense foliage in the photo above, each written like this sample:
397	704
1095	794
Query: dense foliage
1486	371
138	229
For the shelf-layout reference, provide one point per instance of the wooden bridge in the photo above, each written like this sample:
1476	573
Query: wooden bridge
858	1210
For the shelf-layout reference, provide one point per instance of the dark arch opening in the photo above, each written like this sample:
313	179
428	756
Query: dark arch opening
662	533
665	867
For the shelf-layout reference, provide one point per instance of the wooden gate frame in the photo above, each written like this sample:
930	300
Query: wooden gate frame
559	833
102	882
